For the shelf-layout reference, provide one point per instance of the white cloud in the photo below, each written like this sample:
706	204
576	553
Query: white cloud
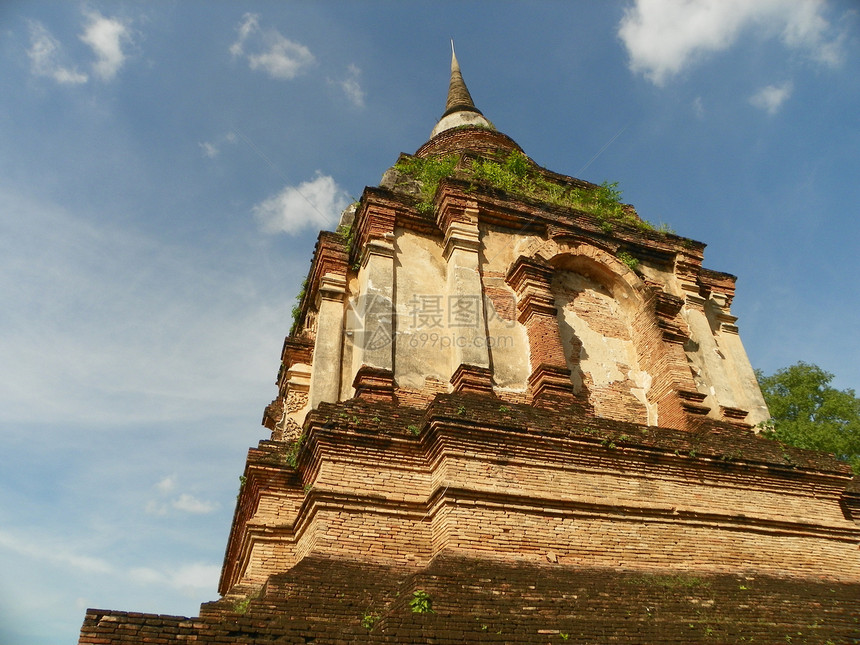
186	502
191	504
772	97
45	53
209	149
270	52
104	326
284	59
351	87
167	484
663	37
188	578
54	551
155	508
146	575
807	28
312	204
699	107
212	149
191	577
250	24
106	36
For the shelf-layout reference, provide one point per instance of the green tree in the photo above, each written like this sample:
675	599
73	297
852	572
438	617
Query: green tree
807	412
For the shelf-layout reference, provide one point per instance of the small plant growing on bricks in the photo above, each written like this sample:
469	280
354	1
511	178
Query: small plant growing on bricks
292	454
297	308
241	605
631	262
420	603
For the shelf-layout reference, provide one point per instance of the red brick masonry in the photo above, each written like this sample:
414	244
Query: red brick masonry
524	524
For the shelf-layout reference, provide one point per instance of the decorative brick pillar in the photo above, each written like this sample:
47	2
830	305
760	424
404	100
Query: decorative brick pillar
374	384
370	319
550	377
289	426
660	334
374	341
284	416
750	407
458	218
472	379
325	380
700	329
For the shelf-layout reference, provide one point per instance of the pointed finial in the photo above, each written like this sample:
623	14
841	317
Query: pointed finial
458	94
459	108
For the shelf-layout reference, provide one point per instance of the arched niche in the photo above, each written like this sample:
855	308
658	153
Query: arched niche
599	303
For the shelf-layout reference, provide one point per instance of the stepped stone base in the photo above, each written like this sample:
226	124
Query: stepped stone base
486	601
525	525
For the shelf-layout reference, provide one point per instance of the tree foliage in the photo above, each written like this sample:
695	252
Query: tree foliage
807	412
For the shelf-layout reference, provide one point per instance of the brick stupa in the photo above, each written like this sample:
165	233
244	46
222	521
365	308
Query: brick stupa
509	411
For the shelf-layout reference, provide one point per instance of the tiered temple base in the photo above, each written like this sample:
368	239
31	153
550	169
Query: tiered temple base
486	601
526	525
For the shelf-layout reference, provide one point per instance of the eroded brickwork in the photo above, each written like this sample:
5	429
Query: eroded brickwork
473	474
600	352
484	601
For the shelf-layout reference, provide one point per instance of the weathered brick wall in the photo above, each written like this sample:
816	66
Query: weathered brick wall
655	384
269	494
644	543
454	141
599	343
473	474
369	533
472	600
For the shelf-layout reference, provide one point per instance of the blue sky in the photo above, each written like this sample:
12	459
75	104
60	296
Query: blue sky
165	168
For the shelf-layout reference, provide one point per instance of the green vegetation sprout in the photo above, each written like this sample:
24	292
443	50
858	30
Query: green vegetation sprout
420	603
517	175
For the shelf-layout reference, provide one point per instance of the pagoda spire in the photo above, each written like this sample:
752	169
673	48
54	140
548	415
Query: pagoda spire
460	110
458	94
